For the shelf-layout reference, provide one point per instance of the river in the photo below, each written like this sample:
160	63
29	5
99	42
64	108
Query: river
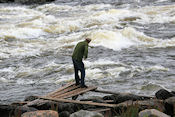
133	46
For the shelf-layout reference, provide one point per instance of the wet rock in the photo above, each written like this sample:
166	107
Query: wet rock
12	110
152	112
124	97
64	114
170	106
47	104
83	113
31	98
140	105
163	94
43	113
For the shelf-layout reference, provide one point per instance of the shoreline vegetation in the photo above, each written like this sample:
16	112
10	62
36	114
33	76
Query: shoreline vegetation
27	2
127	105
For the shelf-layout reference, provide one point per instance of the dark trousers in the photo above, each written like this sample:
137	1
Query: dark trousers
79	66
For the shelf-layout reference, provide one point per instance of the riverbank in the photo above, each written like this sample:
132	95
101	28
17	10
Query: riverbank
127	105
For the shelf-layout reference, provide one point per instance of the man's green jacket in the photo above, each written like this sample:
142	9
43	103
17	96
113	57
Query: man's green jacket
80	51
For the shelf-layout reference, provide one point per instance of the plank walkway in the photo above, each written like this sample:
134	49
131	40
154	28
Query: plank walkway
70	90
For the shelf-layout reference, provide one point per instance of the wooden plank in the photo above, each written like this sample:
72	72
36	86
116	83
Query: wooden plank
62	88
108	92
76	92
80	102
64	91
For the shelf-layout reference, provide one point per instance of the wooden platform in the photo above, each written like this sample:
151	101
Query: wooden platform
70	90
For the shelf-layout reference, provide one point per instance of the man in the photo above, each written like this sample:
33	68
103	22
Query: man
80	52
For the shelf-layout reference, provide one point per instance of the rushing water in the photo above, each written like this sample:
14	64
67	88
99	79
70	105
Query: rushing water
134	46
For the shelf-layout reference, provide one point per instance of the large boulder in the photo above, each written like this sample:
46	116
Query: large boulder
12	110
47	104
164	94
64	114
152	113
122	97
170	106
41	113
140	105
83	113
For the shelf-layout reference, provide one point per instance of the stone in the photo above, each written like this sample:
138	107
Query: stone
152	113
47	105
12	110
122	97
140	105
41	113
170	106
64	114
163	94
83	113
31	98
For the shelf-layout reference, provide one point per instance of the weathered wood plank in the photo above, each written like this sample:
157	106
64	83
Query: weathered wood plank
60	89
66	90
108	92
80	102
76	92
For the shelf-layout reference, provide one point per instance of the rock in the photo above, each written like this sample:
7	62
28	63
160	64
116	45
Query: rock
140	105
42	113
64	114
31	98
163	94
47	105
152	112
12	110
170	106
83	113
124	97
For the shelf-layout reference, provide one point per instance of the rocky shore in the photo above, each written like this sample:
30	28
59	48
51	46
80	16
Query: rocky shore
27	1
127	105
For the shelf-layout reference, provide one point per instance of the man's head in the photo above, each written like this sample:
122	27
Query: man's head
88	40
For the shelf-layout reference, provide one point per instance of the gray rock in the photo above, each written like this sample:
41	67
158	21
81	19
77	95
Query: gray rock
31	98
122	97
47	104
11	110
64	114
152	112
83	113
41	113
163	94
170	106
140	105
